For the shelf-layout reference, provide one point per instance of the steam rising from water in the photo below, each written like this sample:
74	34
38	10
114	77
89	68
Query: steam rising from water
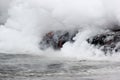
29	20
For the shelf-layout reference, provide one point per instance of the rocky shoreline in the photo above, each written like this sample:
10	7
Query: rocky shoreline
108	42
56	39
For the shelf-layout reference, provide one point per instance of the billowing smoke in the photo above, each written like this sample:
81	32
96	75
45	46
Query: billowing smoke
29	20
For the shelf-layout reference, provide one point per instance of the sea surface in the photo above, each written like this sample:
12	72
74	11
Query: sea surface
29	67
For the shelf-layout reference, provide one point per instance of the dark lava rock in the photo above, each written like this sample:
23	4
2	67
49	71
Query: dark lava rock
107	42
56	39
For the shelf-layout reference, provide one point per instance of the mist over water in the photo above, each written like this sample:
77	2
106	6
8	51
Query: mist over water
26	21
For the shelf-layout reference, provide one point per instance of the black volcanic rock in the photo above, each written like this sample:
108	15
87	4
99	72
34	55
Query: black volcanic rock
56	39
107	42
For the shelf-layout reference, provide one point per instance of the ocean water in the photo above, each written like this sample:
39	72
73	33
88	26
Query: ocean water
29	67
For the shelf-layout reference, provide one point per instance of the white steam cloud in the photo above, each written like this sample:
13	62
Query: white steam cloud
4	6
28	20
